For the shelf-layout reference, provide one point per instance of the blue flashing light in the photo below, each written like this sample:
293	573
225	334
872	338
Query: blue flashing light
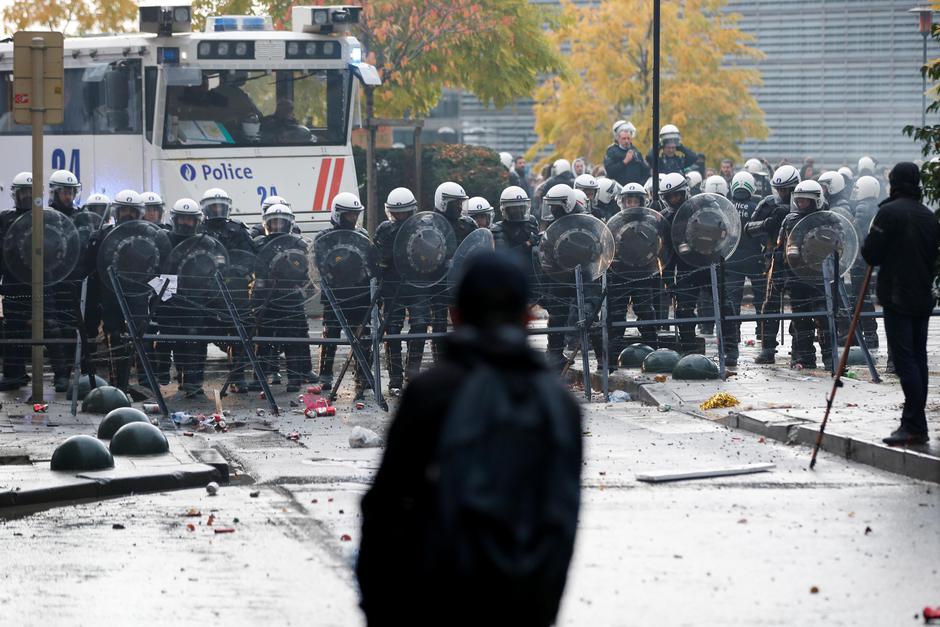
254	23
223	24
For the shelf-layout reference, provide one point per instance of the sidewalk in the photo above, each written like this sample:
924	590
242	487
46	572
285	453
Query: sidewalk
788	405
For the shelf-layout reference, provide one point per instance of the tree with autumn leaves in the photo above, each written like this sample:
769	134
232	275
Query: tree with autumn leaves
703	91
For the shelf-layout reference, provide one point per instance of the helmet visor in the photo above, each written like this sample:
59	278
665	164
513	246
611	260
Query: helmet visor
400	215
633	199
348	219
782	194
517	212
23	197
216	209
185	224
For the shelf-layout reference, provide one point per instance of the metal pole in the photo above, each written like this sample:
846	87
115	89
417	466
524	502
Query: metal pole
38	108
605	343
583	325
654	162
419	127
831	308
923	93
719	336
376	342
79	340
372	209
859	337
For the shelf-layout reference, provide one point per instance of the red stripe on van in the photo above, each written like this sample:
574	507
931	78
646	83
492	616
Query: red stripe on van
337	179
321	185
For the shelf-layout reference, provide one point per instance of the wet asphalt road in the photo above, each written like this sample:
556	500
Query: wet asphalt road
733	551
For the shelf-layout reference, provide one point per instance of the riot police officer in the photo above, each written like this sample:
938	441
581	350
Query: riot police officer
805	294
673	157
257	230
127	205
449	200
833	185
65	297
398	298
716	184
765	227
480	211
746	265
154	209
279	310
626	285
756	168
97	204
686	280
589	186
216	206
561	174
865	194
178	318
345	212
695	182
17	297
605	203
518	230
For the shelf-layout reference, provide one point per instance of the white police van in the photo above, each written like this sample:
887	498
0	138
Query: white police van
241	106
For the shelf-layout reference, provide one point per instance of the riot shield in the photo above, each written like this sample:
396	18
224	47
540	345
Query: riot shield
706	229
817	236
282	267
195	261
576	240
87	224
343	258
137	251
641	241
477	242
61	247
237	276
423	248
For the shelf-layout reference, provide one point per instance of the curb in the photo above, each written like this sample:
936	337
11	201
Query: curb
902	461
110	483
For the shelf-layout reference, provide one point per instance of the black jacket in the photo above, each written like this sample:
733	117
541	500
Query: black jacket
637	171
396	589
232	234
903	243
682	162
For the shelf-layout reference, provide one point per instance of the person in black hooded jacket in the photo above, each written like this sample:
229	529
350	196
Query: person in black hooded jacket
404	581
903	244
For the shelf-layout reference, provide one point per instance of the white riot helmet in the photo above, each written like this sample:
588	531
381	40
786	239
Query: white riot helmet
97	203
744	183
623	125
400	204
154	207
126	205
506	159
587	184
846	173
216	203
345	210
866	165
832	181
648	185
607	190
694	177
632	195
560	165
807	196
716	185
185	216
22	190
755	167
514	204
674	189
559	201
63	180
481	211
278	218
785	178
866	187
273	200
669	134
450	199
580	201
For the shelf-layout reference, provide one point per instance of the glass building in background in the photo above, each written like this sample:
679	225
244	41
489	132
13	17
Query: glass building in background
841	78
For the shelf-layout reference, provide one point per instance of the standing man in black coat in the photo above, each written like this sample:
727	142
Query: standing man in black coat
903	243
624	162
501	557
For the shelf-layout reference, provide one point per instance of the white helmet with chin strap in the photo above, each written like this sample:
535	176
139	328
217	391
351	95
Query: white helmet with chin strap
126	199
607	190
866	165
623	125
694	177
715	184
400	204
560	166
278	218
216	203
832	181
807	190
506	159
669	133
866	187
514	204
345	210
755	167
559	200
185	208
632	191
743	181
97	203
450	199
273	200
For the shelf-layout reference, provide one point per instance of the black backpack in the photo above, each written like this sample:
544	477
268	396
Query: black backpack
506	476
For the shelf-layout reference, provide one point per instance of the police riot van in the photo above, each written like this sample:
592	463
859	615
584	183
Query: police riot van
241	106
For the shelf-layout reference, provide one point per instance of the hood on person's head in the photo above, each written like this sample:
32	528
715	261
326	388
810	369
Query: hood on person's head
493	291
905	180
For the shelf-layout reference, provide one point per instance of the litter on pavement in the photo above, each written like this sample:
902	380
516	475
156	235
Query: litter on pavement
658	476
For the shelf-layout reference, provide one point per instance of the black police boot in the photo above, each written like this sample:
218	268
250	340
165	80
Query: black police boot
327	356
415	355
13	381
767	355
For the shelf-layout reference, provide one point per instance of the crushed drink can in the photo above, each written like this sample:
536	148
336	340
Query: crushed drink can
151	408
360	405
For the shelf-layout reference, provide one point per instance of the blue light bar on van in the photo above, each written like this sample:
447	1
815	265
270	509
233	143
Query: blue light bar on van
168	56
235	23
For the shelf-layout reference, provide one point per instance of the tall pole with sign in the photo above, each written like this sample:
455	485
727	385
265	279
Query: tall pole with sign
37	100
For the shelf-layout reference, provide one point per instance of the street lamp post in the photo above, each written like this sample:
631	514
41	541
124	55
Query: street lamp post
925	14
